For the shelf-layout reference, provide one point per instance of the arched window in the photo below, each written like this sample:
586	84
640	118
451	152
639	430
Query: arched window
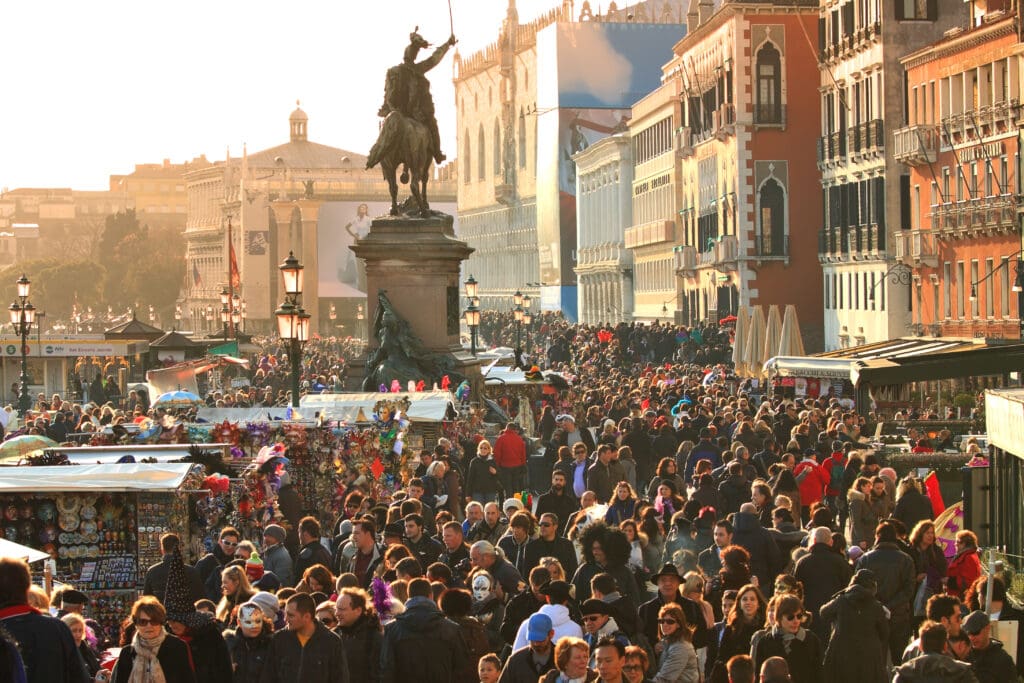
522	139
769	85
466	167
481	164
771	235
497	148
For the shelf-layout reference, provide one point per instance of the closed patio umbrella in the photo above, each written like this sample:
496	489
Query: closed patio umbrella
792	342
772	334
739	339
755	343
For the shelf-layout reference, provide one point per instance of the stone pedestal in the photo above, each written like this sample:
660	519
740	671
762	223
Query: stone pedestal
416	263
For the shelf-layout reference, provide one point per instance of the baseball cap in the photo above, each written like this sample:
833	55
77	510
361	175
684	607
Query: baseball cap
975	622
538	627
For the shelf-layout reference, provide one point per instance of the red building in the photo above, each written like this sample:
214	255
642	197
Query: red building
963	240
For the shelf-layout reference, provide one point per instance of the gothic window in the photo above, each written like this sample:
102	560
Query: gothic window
771	231
522	139
481	163
466	168
497	148
769	85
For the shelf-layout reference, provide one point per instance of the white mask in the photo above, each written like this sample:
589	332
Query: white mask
481	587
250	619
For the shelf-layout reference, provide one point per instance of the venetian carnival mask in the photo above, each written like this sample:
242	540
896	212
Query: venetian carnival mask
250	619
481	587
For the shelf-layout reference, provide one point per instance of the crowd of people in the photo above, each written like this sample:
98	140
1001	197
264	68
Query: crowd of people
691	531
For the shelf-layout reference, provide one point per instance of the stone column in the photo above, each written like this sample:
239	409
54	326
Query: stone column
309	212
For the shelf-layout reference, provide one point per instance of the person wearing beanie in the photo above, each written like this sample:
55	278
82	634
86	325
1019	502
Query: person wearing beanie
254	567
210	656
276	557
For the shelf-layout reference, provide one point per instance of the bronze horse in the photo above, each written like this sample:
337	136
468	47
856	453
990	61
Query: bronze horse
405	142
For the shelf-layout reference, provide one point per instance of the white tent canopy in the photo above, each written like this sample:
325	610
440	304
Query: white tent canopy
804	366
424	406
78	478
109	455
20	552
240	415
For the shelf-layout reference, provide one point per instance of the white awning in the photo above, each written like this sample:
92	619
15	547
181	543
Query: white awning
20	552
77	478
1004	419
109	455
240	415
424	406
807	366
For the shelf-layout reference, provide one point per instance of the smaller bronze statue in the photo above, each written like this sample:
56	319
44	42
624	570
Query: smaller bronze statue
400	355
409	135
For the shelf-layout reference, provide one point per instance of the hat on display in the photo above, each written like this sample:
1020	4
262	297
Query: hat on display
538	628
178	600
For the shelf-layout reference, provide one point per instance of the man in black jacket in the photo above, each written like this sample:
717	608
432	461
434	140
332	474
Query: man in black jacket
155	583
423	547
421	644
46	645
313	551
530	663
306	651
668	581
896	580
824	572
456	552
989	661
558	500
549	543
209	565
360	633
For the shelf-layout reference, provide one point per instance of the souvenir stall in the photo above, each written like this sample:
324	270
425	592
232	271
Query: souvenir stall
374	442
521	393
100	523
809	377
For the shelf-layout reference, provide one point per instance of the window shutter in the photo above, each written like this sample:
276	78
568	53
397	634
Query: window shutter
900	16
821	38
933	10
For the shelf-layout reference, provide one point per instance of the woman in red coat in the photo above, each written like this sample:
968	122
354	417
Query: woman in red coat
965	567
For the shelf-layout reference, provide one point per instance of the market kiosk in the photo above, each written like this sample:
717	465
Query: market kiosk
100	523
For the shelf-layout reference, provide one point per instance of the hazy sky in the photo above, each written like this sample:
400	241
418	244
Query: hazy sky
92	88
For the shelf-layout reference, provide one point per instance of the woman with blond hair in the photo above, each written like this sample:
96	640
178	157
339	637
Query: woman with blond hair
677	660
235	589
572	657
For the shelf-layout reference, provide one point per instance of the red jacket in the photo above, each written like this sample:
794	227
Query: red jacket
812	486
509	450
963	570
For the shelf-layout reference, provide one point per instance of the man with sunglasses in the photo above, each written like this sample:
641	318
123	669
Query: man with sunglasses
549	543
209	565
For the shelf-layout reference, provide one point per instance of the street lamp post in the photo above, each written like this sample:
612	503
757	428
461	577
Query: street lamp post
527	319
473	321
292	320
23	314
359	321
517	315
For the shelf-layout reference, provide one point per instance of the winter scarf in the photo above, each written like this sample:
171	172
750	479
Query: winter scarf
146	667
788	638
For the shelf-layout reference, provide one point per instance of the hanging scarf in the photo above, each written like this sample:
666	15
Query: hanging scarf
146	667
788	638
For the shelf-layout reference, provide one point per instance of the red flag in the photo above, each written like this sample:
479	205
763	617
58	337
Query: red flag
931	488
236	278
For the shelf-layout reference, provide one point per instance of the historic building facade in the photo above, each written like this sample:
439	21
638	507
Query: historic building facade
604	267
962	145
280	200
865	192
747	221
506	160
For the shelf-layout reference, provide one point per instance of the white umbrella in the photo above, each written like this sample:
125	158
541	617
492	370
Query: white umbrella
740	339
20	552
755	343
792	343
772	334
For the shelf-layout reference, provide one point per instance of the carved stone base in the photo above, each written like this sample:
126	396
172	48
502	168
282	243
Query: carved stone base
416	261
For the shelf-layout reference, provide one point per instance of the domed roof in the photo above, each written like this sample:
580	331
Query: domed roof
298	114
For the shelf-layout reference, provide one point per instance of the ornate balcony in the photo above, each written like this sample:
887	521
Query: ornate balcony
917	248
684	142
685	260
651	232
916	145
979	216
